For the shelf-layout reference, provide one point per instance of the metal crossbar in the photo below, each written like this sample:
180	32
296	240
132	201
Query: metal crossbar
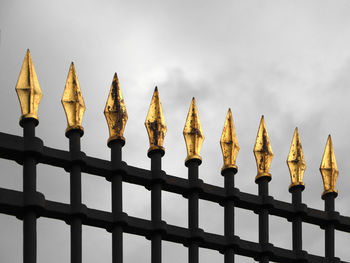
30	204
20	204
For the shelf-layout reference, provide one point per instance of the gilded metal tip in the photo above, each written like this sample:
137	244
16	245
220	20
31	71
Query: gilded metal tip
329	169
155	123
72	101
115	111
296	161
263	151
28	89
193	133
229	143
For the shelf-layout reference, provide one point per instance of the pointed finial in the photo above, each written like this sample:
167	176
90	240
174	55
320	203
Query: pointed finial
263	151
73	102
329	169
115	112
193	134
296	161
28	90
229	143
155	124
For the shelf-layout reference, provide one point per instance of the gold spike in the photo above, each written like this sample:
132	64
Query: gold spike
115	111
229	143
193	133
28	89
296	161
329	169
72	101
155	123
263	151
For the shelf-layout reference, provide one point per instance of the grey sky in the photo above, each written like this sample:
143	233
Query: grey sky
288	60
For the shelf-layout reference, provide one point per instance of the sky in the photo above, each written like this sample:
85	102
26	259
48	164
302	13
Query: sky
286	60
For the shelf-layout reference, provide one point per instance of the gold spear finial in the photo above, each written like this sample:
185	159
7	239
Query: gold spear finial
263	151
329	169
193	133
115	111
28	89
229	143
72	101
155	123
296	161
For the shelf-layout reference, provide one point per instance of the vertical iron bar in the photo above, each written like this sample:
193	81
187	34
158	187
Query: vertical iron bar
263	184
229	213
156	205
117	199
329	200
193	209
75	196
296	221
29	189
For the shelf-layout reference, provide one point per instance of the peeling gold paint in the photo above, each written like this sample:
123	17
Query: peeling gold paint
72	101
263	151
229	143
329	169
296	161
28	89
115	111
193	133
155	123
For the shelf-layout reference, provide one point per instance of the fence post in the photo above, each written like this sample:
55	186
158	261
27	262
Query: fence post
296	192
263	156
329	171
29	95
156	129
329	199
74	107
29	190
116	117
156	205
194	138
229	147
117	199
229	213
296	165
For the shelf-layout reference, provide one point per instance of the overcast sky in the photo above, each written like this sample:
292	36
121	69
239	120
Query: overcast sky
288	60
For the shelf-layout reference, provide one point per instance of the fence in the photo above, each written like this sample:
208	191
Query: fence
29	204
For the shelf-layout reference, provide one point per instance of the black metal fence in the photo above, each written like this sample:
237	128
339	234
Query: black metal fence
30	204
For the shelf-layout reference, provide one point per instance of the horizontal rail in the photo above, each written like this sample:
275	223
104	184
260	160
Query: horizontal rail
12	147
12	203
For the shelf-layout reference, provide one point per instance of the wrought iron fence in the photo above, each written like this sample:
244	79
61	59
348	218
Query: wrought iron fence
30	204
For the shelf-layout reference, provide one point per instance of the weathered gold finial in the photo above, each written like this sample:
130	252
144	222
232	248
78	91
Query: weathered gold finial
28	89
263	151
229	143
193	133
296	161
115	112
329	169
155	124
72	101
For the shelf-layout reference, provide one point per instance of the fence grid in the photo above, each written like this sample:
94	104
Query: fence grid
29	204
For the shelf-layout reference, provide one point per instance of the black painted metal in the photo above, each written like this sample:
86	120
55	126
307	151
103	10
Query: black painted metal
229	212
297	220
117	200
30	204
29	191
193	210
75	195
329	205
263	186
156	204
